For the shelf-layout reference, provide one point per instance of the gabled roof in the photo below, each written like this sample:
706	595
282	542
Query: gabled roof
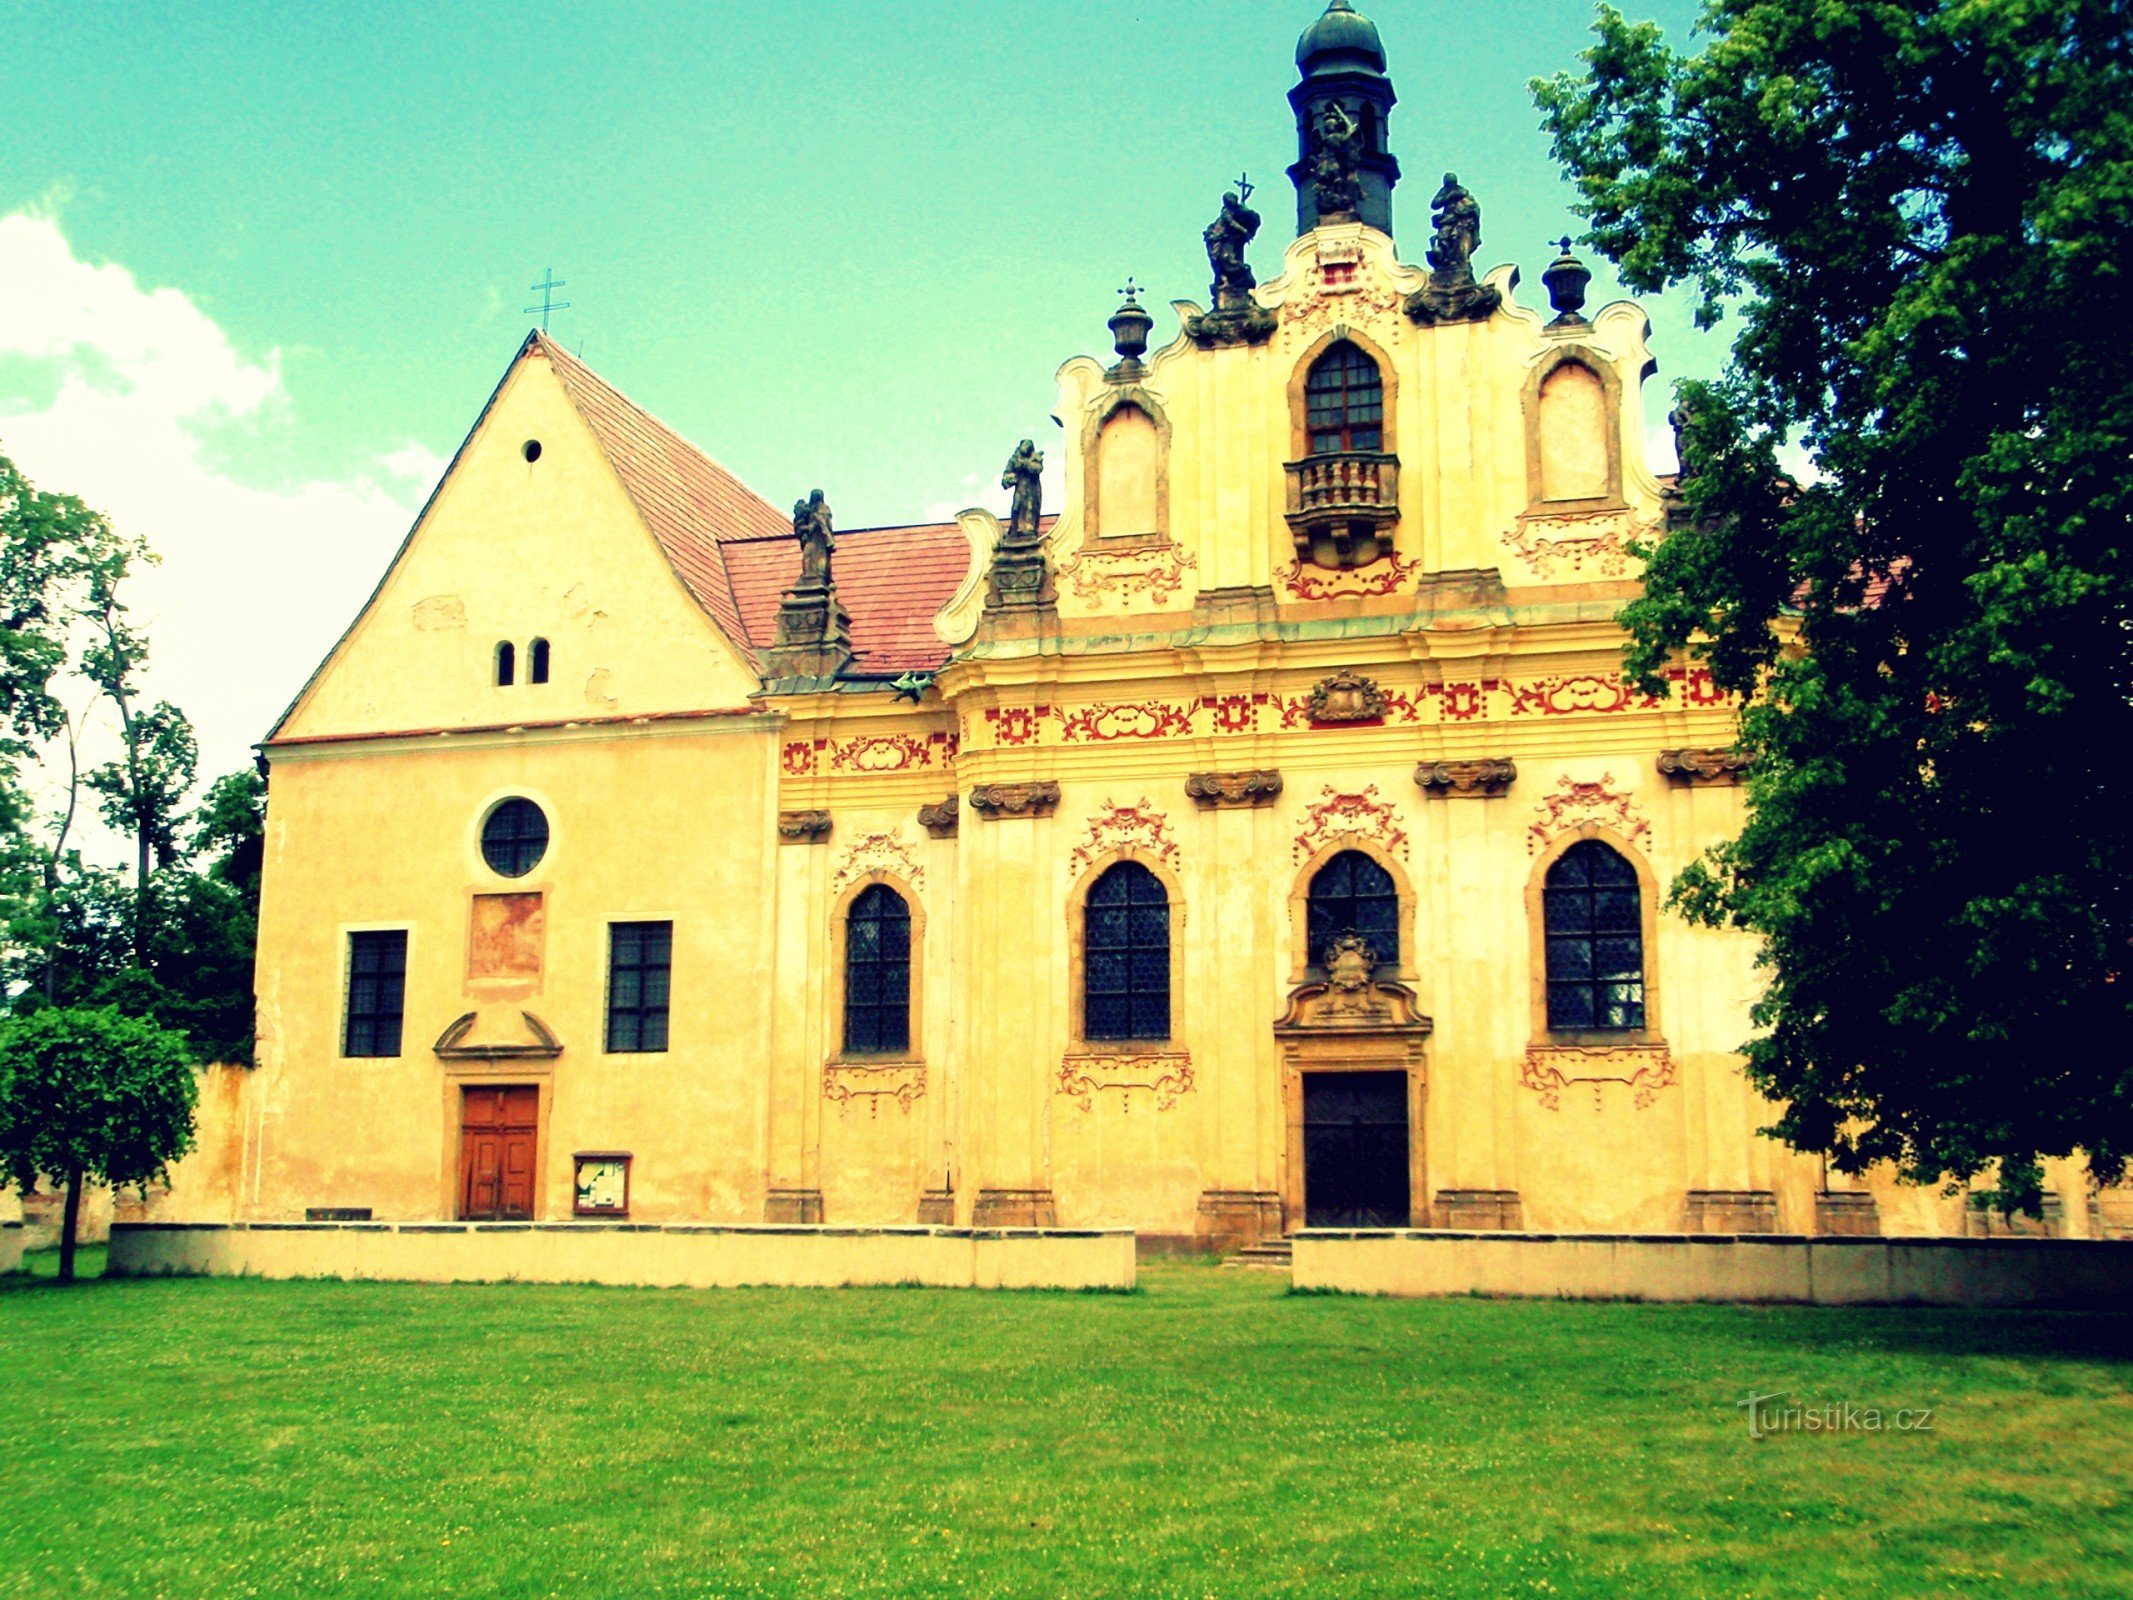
691	504
731	549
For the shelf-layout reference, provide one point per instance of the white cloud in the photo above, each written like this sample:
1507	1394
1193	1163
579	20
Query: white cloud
120	394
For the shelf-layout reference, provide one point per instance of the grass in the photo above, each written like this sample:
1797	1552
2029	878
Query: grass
1213	1436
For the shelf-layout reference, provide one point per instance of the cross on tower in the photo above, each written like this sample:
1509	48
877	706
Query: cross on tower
546	289
1131	291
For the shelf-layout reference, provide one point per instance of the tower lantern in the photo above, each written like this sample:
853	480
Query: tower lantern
1343	101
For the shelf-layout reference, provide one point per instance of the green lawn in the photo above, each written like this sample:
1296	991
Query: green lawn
1211	1435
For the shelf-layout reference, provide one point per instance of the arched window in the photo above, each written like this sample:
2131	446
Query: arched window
1594	916
1353	894
506	664
877	973
1344	402
537	662
1126	956
514	837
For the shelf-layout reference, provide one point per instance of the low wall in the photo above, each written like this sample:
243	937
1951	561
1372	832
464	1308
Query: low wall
673	1255
12	1236
2086	1273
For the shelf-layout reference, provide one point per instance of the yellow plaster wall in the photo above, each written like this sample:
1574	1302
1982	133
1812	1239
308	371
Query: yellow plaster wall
665	822
512	549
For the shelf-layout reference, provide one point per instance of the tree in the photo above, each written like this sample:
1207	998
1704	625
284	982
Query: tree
1918	209
143	789
89	1093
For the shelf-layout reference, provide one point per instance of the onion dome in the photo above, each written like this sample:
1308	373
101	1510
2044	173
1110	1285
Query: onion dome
1343	40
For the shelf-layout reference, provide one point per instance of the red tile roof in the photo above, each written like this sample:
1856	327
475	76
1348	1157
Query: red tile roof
735	552
891	580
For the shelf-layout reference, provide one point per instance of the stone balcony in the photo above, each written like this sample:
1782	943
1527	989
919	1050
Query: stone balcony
1342	507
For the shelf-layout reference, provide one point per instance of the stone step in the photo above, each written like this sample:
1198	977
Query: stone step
1269	1255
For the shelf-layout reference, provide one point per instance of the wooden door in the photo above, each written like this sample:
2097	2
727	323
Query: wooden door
1355	1150
498	1129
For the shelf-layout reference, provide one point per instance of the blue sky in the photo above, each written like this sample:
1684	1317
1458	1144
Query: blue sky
834	244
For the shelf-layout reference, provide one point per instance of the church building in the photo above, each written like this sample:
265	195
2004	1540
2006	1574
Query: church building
1264	836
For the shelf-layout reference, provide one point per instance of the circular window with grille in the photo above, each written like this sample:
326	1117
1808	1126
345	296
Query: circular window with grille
514	838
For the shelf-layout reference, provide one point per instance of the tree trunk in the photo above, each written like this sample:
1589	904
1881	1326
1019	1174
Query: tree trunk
68	1223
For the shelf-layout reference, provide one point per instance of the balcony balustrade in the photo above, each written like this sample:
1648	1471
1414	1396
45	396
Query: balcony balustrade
1342	507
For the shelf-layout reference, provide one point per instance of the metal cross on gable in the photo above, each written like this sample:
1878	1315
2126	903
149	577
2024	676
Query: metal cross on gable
546	289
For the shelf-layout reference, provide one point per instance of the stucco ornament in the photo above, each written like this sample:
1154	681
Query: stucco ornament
1575	804
1154	574
1643	1069
1335	816
885	853
1593	543
1117	828
1349	963
1164	1075
853	1083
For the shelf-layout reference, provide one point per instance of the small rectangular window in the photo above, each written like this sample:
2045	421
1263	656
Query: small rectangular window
377	993
639	974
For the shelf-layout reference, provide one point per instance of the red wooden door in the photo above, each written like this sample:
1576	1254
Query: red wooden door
497	1130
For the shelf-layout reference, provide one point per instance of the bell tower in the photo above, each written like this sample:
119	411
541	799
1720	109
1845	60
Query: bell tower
1343	100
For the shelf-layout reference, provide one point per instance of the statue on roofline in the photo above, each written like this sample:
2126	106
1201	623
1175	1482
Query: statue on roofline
811	526
1226	238
1456	217
1452	294
1235	317
1025	470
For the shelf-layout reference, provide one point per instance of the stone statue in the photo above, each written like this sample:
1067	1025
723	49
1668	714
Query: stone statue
1025	469
1336	159
1226	238
1452	295
1456	216
813	640
811	526
1682	419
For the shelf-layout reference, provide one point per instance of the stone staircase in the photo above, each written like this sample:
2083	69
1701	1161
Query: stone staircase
1268	1255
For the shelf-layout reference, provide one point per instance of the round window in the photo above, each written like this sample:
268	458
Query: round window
514	838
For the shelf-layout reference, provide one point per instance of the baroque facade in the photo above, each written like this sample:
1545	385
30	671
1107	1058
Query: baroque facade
1268	836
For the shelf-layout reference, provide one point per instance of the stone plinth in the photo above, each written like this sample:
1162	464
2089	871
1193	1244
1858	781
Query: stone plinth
1230	1220
1015	1208
1732	1211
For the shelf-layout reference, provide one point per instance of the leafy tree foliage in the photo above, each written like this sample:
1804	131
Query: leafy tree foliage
175	944
1919	210
91	1094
